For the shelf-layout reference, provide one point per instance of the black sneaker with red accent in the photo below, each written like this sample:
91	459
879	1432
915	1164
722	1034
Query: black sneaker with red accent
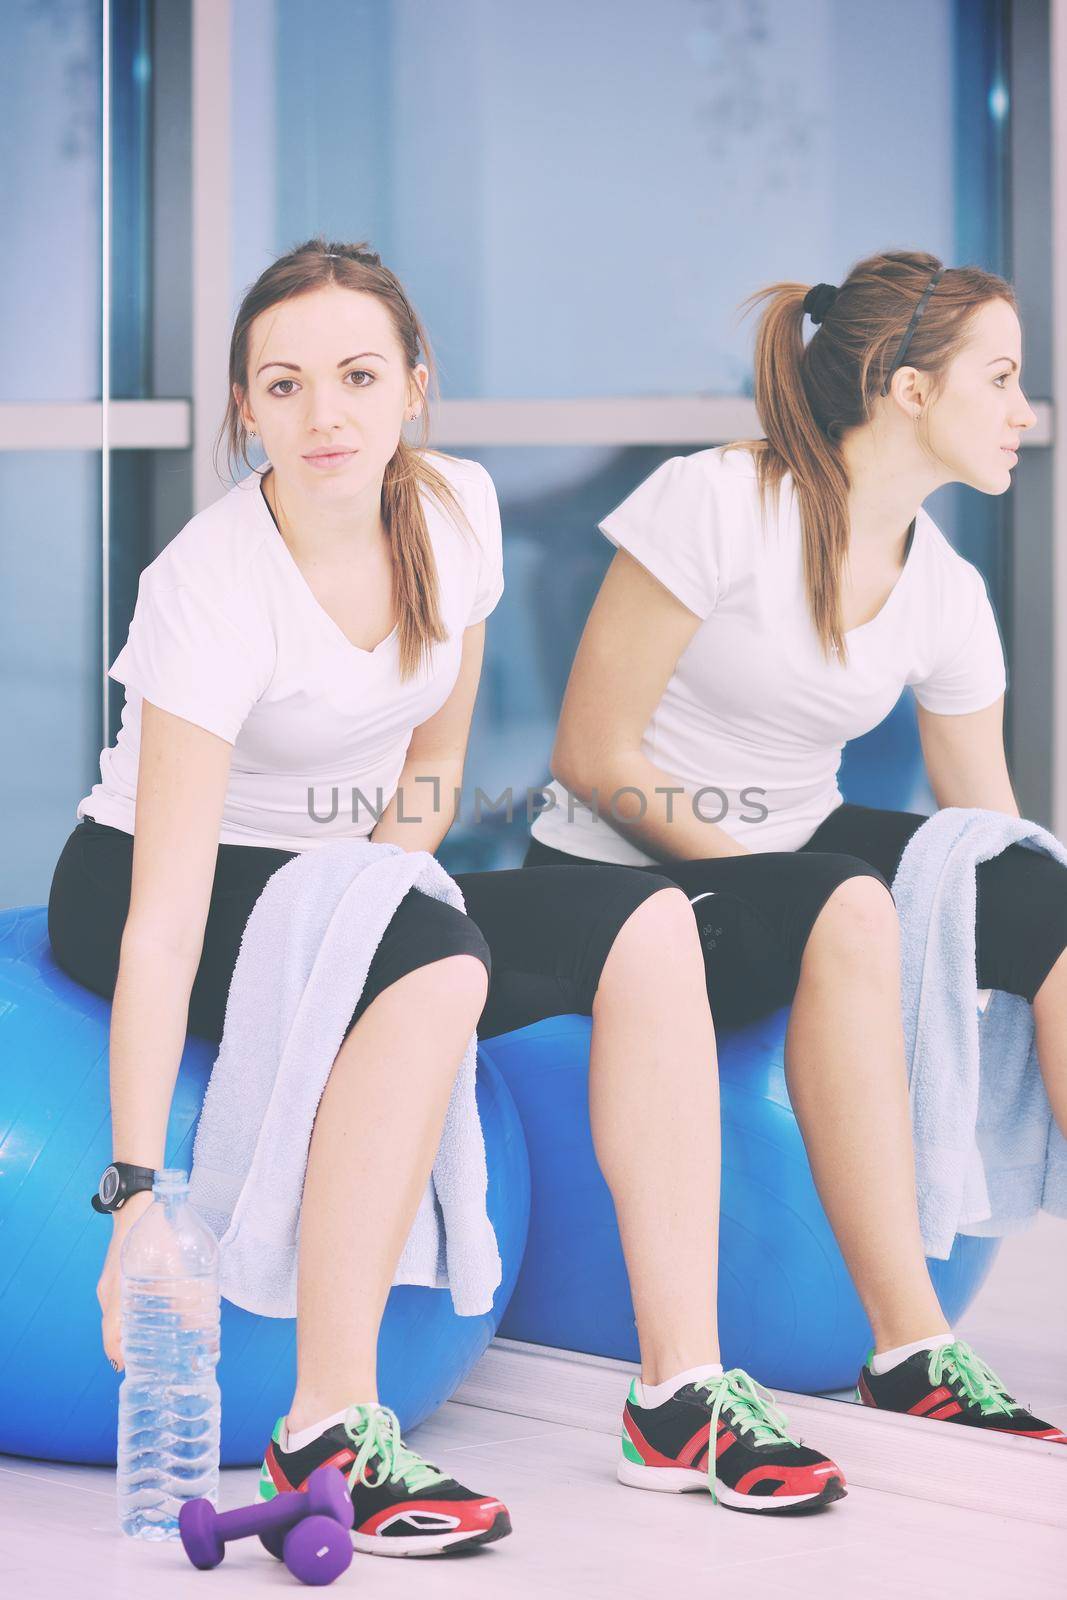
403	1505
953	1384
756	1464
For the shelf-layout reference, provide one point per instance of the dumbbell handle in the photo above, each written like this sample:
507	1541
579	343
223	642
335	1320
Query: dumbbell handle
287	1507
205	1531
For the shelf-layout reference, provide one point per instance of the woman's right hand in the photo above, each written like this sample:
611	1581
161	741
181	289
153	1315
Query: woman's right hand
109	1287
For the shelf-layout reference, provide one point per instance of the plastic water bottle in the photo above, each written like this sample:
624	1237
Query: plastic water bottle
169	1403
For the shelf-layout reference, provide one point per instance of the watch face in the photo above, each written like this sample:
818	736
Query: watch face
109	1185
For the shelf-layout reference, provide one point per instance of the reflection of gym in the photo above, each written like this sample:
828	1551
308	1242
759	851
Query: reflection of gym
662	1084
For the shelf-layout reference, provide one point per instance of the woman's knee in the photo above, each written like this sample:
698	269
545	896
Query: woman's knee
437	949
460	978
661	924
438	942
439	934
858	918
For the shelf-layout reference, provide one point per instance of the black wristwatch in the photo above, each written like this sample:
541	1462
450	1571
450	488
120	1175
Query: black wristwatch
118	1182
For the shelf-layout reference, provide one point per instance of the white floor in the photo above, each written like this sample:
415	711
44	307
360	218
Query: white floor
579	1533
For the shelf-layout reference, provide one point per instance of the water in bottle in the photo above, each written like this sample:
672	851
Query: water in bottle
169	1404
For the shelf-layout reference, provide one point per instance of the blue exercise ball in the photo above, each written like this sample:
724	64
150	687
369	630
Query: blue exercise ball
788	1312
884	768
58	1394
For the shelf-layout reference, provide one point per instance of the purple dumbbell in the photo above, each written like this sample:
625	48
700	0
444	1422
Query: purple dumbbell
317	1550
324	1511
332	1500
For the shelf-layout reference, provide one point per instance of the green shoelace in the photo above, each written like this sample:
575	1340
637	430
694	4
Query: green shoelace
978	1382
376	1430
750	1409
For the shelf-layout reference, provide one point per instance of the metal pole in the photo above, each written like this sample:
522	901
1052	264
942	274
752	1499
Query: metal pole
105	359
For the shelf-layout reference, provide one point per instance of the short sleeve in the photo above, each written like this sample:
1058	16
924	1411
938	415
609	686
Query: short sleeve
670	524
185	655
969	673
490	585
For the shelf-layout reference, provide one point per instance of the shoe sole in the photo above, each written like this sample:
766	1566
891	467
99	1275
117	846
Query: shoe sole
1011	1433
422	1544
684	1480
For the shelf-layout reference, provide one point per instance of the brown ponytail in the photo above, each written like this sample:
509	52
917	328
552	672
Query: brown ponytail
314	265
808	396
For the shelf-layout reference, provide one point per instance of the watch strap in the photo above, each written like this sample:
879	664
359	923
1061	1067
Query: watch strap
132	1180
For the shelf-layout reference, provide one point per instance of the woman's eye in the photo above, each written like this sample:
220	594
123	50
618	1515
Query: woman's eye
285	386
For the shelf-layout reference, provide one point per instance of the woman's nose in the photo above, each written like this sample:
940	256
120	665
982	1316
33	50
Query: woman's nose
1028	416
324	410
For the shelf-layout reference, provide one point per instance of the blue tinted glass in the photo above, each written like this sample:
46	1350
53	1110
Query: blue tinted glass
50	152
579	197
131	257
49	658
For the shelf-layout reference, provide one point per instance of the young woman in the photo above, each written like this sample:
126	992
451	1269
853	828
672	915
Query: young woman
315	635
769	601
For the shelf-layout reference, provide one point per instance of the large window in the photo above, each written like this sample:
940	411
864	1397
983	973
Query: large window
578	198
50	553
50	83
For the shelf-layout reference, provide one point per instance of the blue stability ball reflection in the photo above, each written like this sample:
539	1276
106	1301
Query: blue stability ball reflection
884	768
787	1310
58	1395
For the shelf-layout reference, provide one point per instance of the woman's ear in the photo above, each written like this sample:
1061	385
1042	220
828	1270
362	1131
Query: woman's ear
420	377
911	390
247	419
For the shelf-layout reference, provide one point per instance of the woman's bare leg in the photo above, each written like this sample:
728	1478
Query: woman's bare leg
1050	1022
372	1151
848	1084
654	1109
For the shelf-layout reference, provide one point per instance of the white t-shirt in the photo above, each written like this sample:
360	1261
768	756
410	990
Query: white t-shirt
227	634
754	704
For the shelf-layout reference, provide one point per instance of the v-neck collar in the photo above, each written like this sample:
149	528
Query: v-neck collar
906	571
264	511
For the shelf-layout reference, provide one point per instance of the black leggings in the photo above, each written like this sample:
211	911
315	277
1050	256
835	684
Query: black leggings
544	943
755	912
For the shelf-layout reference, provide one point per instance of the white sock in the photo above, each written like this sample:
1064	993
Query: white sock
297	1441
654	1394
892	1358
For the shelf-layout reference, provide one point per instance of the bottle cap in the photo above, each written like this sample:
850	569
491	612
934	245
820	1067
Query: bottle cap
170	1182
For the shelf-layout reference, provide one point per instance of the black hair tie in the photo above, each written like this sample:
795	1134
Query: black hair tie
818	300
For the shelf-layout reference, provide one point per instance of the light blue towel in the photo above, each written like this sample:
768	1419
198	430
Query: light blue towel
988	1154
300	971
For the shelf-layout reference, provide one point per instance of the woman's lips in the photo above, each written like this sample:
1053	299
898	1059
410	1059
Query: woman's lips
335	459
1009	452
